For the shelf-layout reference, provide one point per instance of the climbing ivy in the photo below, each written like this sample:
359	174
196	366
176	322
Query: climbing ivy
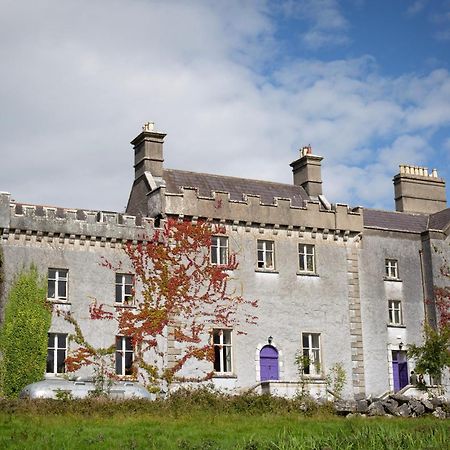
23	336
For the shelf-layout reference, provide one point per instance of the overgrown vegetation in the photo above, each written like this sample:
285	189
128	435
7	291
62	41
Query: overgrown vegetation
234	422
182	297
23	336
335	379
433	356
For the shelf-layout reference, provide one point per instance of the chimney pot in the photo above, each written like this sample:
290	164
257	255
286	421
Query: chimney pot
307	172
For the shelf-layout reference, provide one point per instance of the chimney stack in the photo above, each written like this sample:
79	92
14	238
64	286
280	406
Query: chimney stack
148	152
417	190
307	172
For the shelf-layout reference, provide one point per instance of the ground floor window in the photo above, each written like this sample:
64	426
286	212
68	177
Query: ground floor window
56	353
222	351
311	354
124	355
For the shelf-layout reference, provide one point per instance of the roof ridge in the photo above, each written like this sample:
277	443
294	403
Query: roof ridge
235	178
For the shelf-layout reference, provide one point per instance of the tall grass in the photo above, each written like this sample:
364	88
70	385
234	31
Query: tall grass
207	420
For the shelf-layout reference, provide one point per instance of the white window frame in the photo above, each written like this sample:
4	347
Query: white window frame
54	349
219	250
307	258
121	356
391	268
124	297
61	276
265	254
395	312
314	354
223	348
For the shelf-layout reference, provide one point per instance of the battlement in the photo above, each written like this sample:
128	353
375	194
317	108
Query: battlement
72	222
250	209
406	169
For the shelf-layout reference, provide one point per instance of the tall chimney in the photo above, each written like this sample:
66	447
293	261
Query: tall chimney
148	152
307	172
416	190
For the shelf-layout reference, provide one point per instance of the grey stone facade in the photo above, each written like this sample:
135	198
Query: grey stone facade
342	301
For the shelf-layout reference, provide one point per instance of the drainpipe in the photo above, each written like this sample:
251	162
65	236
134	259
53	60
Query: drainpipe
422	276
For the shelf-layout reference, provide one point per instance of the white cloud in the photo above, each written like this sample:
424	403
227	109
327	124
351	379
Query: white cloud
81	78
325	25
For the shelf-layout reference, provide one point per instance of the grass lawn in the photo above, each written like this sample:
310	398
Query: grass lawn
206	423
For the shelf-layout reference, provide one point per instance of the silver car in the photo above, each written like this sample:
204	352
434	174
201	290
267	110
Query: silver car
58	388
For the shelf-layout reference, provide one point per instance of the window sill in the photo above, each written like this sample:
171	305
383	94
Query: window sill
266	270
225	267
392	279
58	301
225	375
124	305
307	274
394	325
130	378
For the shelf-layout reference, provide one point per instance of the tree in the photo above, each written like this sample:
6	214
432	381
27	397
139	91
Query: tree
182	297
433	357
23	336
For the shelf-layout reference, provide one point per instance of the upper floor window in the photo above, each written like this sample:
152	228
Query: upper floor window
266	255
306	255
219	250
56	353
311	354
124	355
391	266
395	312
124	288
222	351
57	284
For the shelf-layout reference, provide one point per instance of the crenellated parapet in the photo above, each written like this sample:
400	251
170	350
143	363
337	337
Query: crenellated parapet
250	209
61	224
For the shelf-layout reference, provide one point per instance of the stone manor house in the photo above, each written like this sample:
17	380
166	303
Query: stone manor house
335	283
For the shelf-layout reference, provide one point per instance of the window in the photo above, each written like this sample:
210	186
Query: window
395	312
311	353
392	268
306	258
124	355
57	284
266	255
124	288
222	351
56	353
219	250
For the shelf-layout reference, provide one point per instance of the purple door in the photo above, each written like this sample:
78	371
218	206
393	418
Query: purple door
268	361
400	369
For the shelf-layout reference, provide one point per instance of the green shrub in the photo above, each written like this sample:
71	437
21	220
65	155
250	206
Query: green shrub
23	336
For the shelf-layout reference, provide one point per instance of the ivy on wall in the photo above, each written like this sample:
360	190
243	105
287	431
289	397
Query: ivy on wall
23	336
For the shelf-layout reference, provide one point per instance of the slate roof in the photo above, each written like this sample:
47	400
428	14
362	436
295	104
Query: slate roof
395	221
237	187
439	220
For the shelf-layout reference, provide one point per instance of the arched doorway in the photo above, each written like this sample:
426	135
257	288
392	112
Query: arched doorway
268	363
399	369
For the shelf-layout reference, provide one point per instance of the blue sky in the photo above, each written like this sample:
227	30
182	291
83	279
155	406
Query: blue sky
238	86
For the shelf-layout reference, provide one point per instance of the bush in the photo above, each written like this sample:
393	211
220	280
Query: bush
23	336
